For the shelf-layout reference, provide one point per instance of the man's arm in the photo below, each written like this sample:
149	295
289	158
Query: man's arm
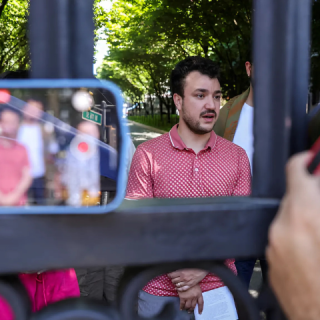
189	291
190	298
185	279
294	240
13	197
243	185
140	182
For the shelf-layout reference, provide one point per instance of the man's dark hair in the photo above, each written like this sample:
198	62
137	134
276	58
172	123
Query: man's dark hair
6	107
33	98
184	68
248	56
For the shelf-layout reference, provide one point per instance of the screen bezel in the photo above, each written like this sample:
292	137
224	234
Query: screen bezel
123	138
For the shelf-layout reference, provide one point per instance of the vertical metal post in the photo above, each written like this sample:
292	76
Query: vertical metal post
104	121
82	46
309	102
61	38
280	87
300	79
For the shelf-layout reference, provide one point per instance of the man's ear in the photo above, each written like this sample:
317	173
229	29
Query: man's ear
248	68
177	101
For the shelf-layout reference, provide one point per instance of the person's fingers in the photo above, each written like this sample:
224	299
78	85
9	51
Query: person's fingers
182	303
268	255
275	228
194	303
296	169
200	304
176	280
183	289
188	304
174	274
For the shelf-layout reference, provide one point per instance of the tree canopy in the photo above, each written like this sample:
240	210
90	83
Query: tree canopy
14	52
148	37
14	45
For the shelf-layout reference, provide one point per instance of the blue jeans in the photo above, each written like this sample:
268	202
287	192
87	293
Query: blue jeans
150	306
245	270
37	190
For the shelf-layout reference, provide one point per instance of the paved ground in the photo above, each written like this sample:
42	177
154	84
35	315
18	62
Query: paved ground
256	280
140	134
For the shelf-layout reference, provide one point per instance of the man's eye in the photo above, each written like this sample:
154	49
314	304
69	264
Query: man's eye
200	96
217	97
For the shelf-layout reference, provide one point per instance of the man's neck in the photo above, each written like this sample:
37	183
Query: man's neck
193	141
29	122
6	142
249	100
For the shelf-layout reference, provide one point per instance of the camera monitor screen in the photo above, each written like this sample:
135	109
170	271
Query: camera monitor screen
58	147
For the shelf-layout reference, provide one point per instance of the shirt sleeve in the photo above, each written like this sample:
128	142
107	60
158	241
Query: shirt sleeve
25	163
243	185
140	182
131	151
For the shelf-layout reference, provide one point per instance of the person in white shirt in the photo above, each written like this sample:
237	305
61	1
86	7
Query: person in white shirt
38	142
235	123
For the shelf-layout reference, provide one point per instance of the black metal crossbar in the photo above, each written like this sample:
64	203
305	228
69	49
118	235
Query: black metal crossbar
161	233
140	233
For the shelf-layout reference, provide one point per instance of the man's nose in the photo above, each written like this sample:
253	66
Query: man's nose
210	105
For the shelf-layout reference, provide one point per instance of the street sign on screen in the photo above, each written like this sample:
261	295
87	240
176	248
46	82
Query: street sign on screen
92	116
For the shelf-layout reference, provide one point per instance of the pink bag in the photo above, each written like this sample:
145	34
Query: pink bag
45	288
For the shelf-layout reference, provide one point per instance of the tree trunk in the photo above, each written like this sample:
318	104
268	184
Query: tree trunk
173	108
161	108
151	105
168	113
168	107
139	104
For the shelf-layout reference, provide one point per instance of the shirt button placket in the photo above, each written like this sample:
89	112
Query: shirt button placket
196	164
200	182
197	175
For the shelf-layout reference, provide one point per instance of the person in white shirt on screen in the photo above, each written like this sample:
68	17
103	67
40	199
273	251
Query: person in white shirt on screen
235	124
39	143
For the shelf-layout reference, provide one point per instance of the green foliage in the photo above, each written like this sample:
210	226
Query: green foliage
14	52
14	48
148	37
99	15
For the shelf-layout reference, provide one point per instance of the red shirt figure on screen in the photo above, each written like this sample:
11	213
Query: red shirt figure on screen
15	177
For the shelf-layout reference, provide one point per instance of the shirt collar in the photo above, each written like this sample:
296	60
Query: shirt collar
177	142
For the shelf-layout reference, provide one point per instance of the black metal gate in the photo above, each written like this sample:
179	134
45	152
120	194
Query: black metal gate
228	227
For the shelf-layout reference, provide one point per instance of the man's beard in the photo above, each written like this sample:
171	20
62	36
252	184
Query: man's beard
194	125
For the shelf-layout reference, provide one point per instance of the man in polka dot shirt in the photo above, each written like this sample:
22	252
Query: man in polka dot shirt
190	161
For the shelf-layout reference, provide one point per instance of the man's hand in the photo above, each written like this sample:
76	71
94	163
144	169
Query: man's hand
9	199
294	244
185	279
190	298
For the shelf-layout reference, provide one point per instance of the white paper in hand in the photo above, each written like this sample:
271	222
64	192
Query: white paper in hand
218	305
